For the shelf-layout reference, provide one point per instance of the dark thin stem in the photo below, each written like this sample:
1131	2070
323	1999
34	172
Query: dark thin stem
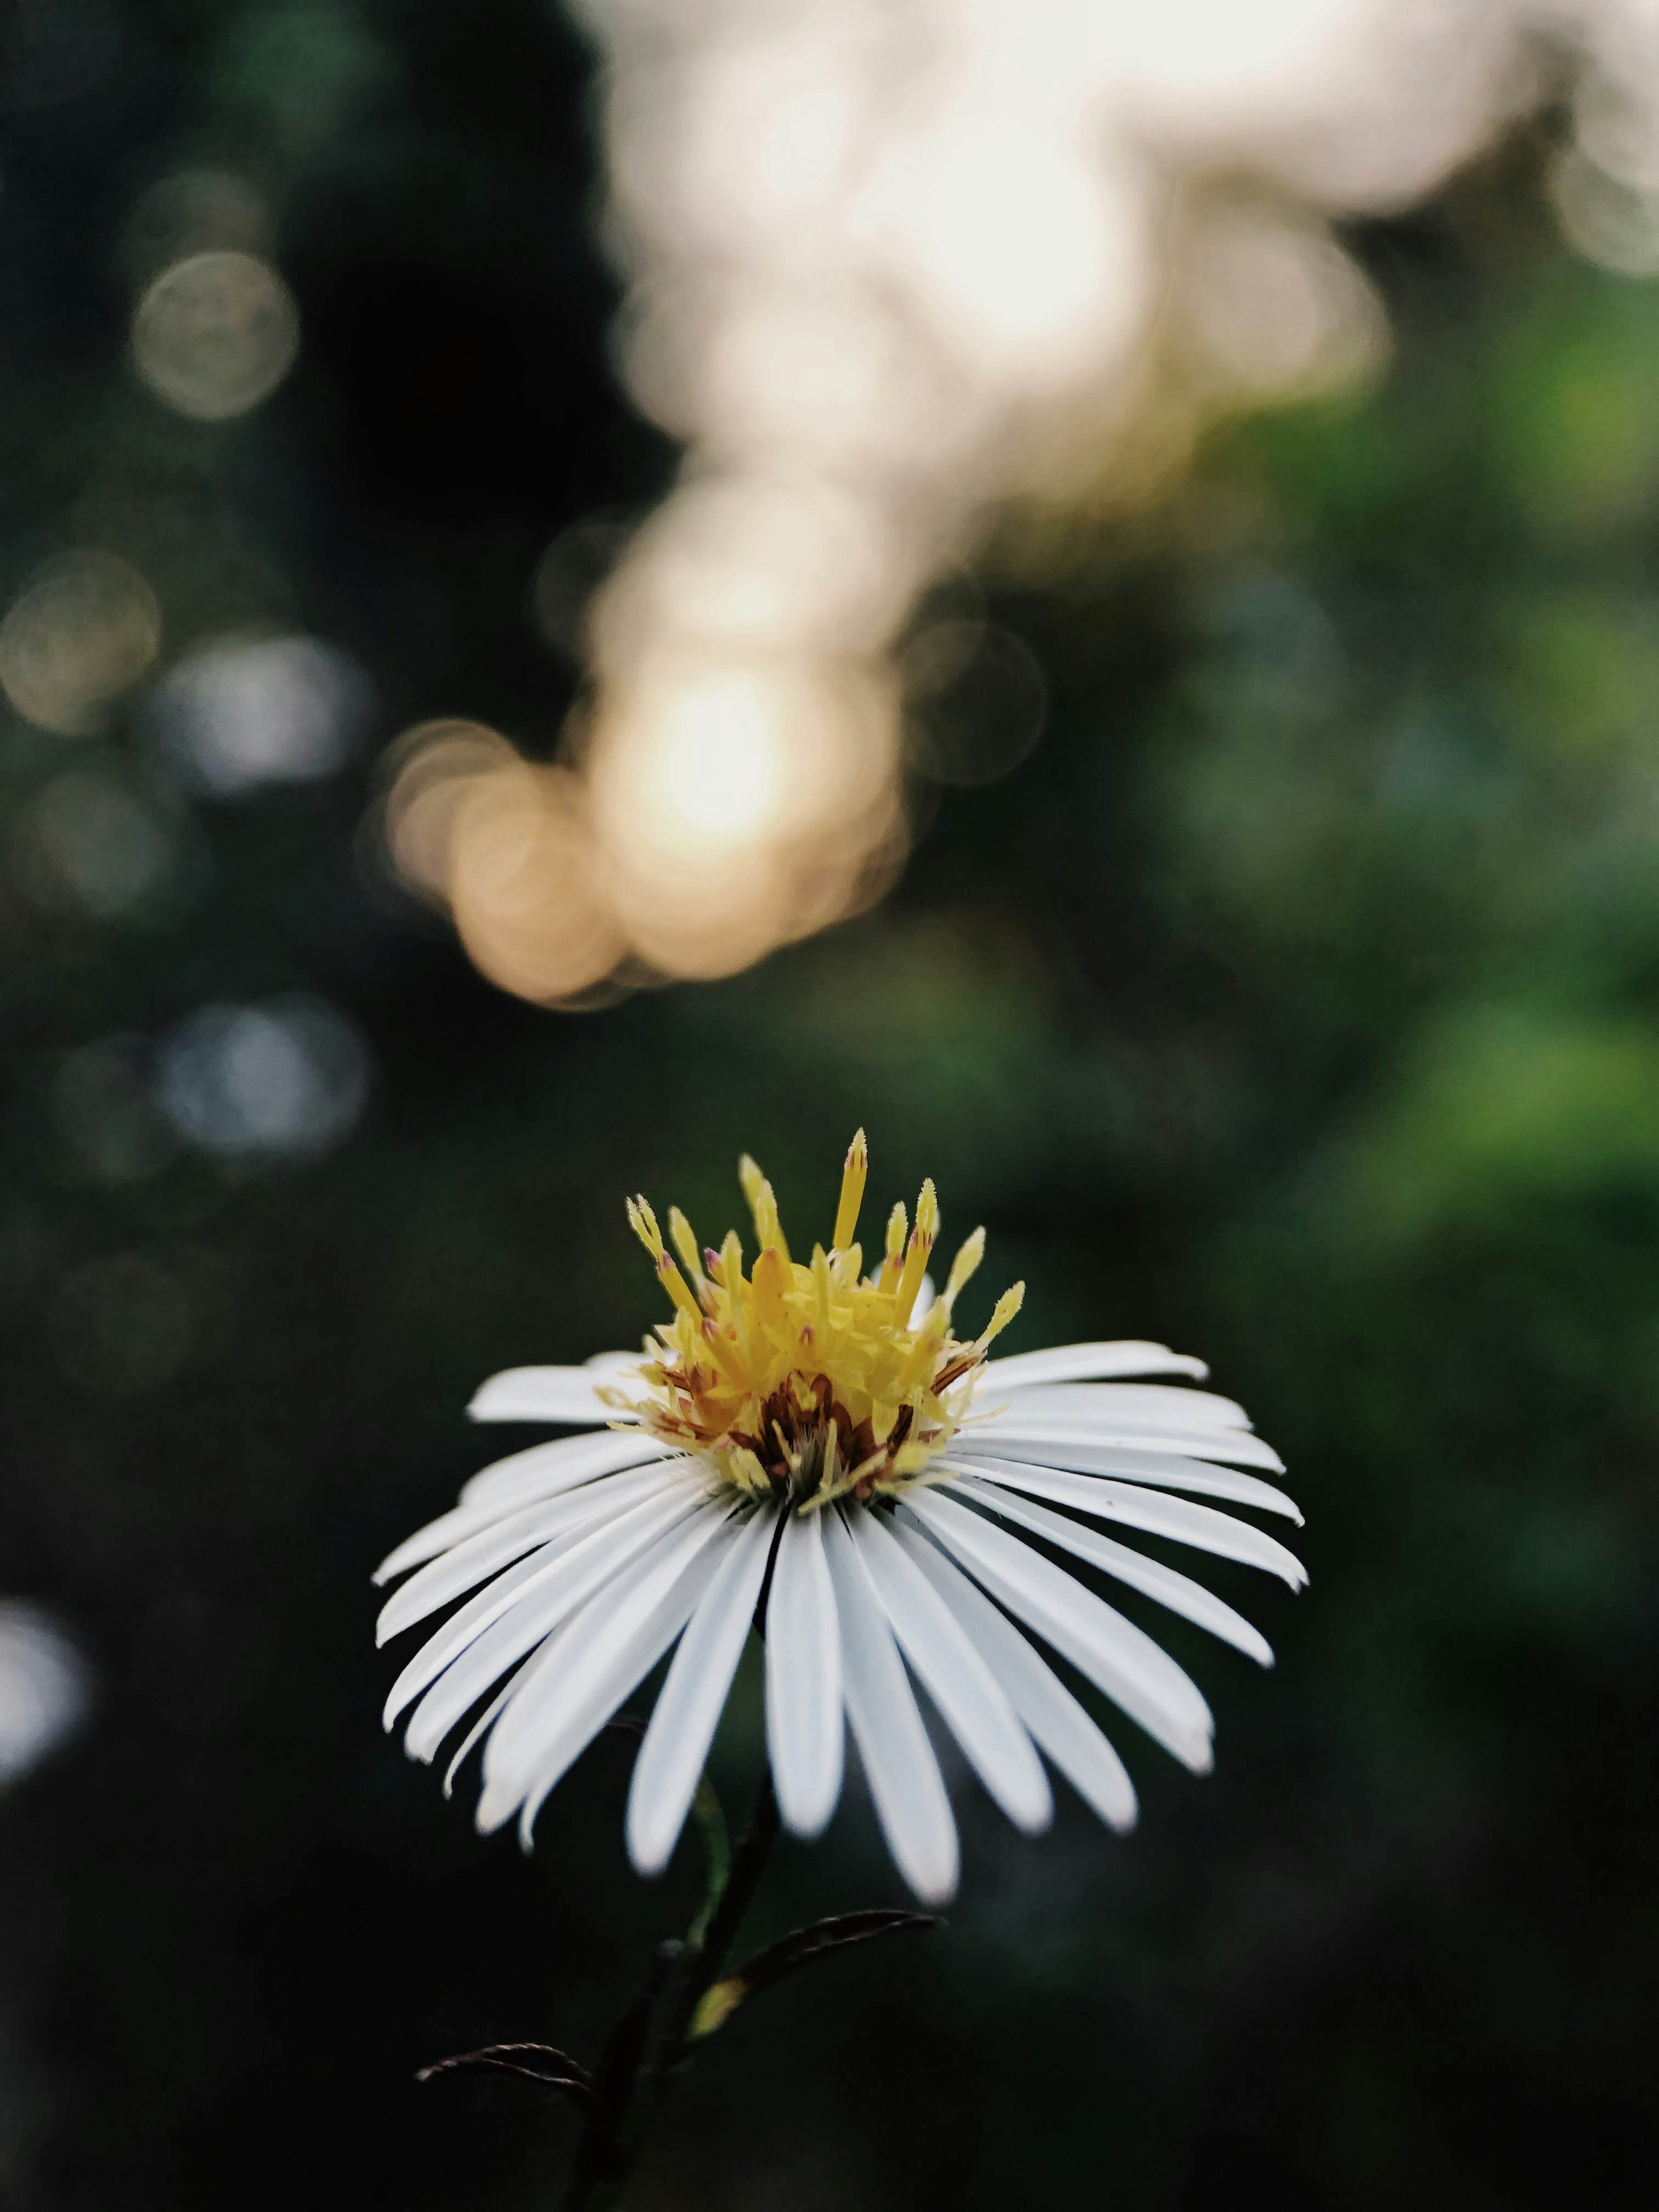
649	2046
660	2017
747	1868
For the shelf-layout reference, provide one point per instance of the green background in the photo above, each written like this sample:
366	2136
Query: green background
1294	1003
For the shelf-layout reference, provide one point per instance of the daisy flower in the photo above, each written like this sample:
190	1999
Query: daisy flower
817	1442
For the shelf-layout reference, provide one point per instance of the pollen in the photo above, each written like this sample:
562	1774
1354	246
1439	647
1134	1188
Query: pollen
805	1380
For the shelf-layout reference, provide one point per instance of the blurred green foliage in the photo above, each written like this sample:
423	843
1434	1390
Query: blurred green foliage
1295	1002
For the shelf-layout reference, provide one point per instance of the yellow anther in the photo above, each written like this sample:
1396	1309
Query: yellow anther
685	1244
916	1258
962	1266
770	1278
674	1283
1006	1307
854	1178
919	1362
763	1205
723	1352
643	1222
898	1222
737	1292
822	1286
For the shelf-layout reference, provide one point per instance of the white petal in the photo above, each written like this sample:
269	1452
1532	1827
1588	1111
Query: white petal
1133	1506
1120	1406
1178	1592
910	1798
484	1722
584	1672
543	1471
538	1593
525	1624
1111	1651
1079	1362
543	1394
507	1537
1164	1470
974	1707
519	1476
692	1698
804	1732
1047	1708
1017	1428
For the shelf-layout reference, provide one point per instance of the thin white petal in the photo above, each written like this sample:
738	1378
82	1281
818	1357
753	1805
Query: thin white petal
692	1698
803	1731
583	1674
1122	1406
520	1475
1176	1591
1237	1446
1133	1506
527	1623
1111	1651
1081	1363
1164	1470
1047	1708
974	1707
543	1471
910	1798
485	1722
539	1592
542	1394
507	1537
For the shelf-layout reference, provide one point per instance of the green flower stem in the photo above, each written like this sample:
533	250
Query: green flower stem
651	2040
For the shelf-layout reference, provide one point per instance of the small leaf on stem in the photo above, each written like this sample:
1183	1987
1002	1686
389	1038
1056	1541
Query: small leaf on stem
555	2070
722	1999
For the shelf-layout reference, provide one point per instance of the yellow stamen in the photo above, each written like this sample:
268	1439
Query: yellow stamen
726	1354
898	1222
821	1289
854	1178
643	1222
686	1245
924	1354
733	1284
962	1266
922	1238
803	1382
1006	1307
769	1283
768	1229
674	1283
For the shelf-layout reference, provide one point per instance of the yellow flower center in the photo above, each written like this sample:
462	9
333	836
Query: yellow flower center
805	1381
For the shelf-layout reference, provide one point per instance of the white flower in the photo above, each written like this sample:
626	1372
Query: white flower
828	1427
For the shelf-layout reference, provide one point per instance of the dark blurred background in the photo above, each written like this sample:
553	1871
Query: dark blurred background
1293	1002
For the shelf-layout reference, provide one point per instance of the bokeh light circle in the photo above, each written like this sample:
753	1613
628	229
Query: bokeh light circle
215	334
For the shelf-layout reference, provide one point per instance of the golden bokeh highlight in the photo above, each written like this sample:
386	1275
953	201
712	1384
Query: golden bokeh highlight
83	630
505	844
908	283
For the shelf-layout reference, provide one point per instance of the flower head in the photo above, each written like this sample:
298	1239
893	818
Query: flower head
801	1383
821	1435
